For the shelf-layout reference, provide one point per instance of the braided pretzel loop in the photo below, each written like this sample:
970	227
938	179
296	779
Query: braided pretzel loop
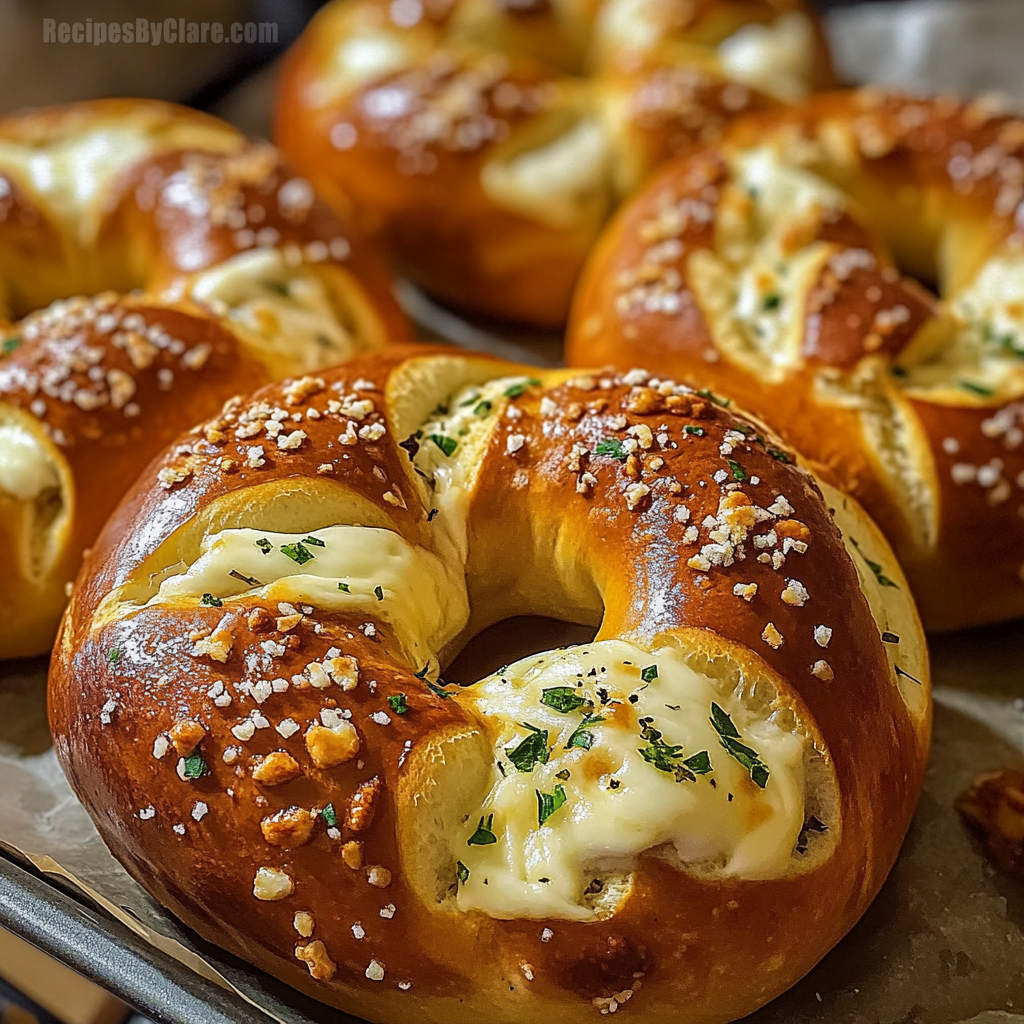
208	268
775	267
685	814
487	141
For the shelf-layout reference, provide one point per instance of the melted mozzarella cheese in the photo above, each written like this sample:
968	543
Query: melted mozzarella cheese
359	61
562	184
70	174
26	470
422	596
777	59
618	804
278	309
467	421
779	189
977	348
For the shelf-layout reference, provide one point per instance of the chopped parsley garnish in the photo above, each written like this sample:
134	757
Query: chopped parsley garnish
446	444
422	673
563	774
461	872
264	545
977	389
213	602
482	408
114	655
430	515
548	803
9	345
772	301
378	592
668	758
343	587
778	455
730	738
563	699
251	580
890	638
298	553
582	736
442	693
483	836
612	447
330	816
314	542
738	472
883	580
649	674
712	397
195	767
397	703
532	751
515	390
694	431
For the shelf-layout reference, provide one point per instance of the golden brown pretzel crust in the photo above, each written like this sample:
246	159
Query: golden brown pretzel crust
680	948
468	85
911	404
104	382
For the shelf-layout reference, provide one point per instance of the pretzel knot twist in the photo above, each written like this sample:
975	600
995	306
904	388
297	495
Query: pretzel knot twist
248	695
784	267
487	141
207	268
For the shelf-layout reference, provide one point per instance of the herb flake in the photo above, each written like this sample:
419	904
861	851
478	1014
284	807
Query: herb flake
729	736
563	699
531	752
483	836
548	803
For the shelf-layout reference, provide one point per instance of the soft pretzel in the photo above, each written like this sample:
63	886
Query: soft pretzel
773	267
486	141
207	269
685	814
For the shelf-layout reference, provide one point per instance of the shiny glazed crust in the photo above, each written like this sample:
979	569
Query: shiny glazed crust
139	686
136	201
912	403
411	116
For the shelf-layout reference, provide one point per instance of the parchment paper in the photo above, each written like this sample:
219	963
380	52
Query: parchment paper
944	942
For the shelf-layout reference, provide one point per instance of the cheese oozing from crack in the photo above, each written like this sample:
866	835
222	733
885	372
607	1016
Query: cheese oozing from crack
70	174
465	422
25	467
617	803
777	59
977	348
422	599
277	308
561	185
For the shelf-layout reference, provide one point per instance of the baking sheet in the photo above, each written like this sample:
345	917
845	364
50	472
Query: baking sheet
944	942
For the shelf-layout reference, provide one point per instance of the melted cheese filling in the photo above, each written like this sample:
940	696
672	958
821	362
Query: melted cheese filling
559	185
777	59
978	347
358	62
70	174
25	467
754	291
617	803
339	568
275	307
